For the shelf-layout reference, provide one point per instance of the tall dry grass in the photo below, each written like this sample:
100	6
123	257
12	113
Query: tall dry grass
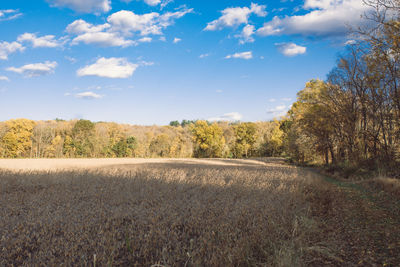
162	213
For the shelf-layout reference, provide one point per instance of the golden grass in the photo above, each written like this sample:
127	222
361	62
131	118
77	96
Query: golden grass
161	213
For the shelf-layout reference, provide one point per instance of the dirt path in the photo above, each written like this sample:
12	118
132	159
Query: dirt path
365	225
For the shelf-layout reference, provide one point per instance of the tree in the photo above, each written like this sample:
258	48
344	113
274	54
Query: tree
174	123
82	134
245	139
160	146
17	140
208	140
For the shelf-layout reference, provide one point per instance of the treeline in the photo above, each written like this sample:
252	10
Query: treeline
23	138
353	118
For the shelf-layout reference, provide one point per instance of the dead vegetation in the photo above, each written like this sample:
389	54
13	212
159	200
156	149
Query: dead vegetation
176	213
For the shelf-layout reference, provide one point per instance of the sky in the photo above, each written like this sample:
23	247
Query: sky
154	61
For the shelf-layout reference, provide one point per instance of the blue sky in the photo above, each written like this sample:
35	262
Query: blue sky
153	61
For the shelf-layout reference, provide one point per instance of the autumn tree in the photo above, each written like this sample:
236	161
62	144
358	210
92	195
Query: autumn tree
17	140
245	139
208	140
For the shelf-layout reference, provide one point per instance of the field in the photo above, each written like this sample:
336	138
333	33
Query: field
136	212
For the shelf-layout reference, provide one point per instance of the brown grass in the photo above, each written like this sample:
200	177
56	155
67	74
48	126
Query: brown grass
164	213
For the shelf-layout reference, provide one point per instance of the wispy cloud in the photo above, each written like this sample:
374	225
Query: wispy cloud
83	6
244	55
88	95
9	14
233	116
49	41
324	18
35	69
7	48
4	78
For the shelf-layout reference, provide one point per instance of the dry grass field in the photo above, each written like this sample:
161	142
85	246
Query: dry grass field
133	212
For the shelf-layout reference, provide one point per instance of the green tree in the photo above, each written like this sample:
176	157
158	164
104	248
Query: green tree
82	134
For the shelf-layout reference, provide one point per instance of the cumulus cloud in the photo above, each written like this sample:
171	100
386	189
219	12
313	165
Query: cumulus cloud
233	116
4	78
243	55
9	14
235	16
246	35
88	95
7	48
88	33
80	26
44	41
153	23
324	18
35	69
109	68
106	39
122	25
290	49
83	6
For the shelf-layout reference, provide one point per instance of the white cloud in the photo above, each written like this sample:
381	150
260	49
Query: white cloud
7	48
280	110
35	69
325	18
234	16
145	40
247	34
91	34
122	25
177	40
9	14
70	59
146	63
44	41
204	55
152	2
83	6
153	23
80	26
88	95
350	42
109	68
4	78
233	116
291	49
243	55
163	3
102	39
